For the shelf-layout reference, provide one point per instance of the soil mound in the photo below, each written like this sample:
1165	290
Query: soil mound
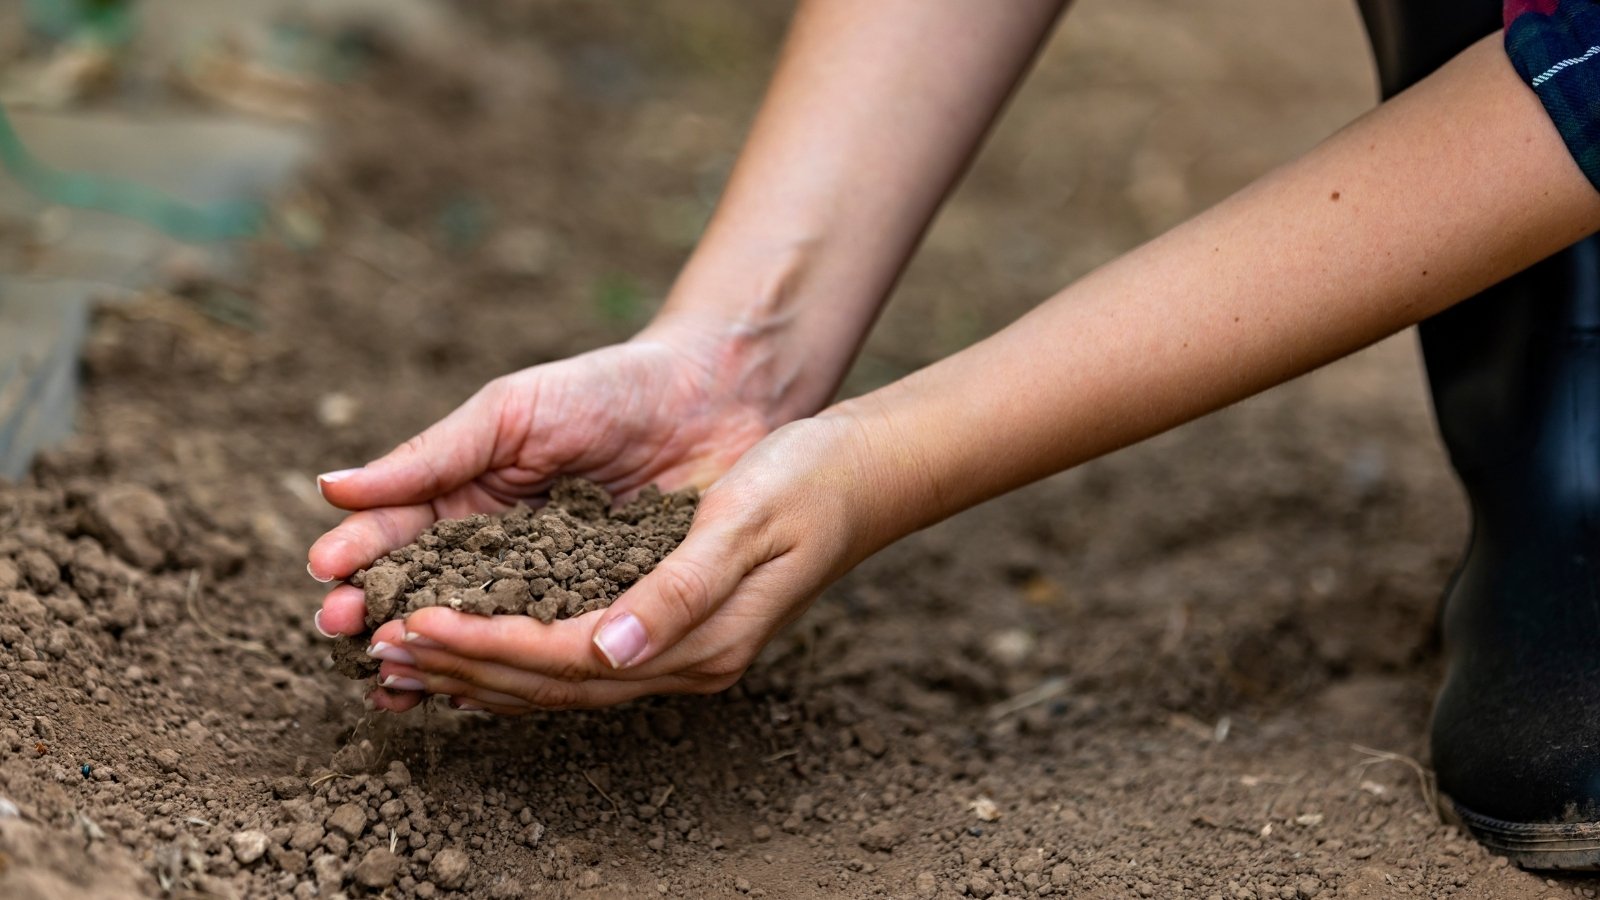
573	556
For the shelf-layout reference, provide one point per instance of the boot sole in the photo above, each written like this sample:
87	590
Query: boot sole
1571	846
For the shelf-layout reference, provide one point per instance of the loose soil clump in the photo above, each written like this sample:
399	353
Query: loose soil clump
575	555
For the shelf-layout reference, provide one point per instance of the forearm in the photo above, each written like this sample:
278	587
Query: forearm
1449	188
873	113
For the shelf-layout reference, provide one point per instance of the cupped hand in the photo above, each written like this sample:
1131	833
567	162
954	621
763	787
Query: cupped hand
791	516
660	409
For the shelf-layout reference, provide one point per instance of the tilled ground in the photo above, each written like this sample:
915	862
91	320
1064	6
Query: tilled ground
1200	668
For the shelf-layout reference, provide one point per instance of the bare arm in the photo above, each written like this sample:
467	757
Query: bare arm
1440	193
873	113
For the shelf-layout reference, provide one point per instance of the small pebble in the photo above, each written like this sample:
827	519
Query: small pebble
248	846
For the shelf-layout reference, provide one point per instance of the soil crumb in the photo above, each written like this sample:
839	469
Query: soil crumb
572	556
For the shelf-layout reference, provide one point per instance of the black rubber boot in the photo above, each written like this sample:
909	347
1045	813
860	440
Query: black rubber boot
1515	374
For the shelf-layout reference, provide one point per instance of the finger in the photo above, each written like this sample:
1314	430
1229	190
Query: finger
364	536
394	701
344	611
455	450
559	650
529	690
676	596
538	690
395	676
478	706
402	701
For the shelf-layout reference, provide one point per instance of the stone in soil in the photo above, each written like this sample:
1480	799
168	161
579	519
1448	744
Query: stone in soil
377	869
449	868
248	846
348	820
573	556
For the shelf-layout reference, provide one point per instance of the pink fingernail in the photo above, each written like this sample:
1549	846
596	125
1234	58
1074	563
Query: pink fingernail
400	683
465	705
316	622
621	640
316	576
391	653
334	477
411	637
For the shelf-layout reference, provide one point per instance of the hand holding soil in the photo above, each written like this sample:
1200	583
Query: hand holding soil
767	538
650	411
572	556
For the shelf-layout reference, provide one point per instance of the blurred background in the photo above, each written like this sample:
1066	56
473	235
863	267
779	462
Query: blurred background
141	142
144	142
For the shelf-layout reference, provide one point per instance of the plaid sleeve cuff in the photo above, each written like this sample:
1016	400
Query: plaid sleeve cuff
1555	47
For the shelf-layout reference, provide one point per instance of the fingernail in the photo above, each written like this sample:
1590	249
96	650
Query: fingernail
316	622
398	683
411	637
621	640
316	576
465	705
389	652
334	477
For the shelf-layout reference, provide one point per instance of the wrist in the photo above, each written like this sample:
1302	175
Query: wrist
750	371
755	321
896	487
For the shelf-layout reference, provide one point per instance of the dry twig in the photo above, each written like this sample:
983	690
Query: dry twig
1044	692
1425	776
587	777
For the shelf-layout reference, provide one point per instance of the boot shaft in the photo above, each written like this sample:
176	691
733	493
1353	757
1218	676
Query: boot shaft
1513	371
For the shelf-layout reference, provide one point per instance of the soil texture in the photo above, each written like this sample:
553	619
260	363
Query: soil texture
1199	668
574	555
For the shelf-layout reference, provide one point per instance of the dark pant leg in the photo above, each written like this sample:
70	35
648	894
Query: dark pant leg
1515	377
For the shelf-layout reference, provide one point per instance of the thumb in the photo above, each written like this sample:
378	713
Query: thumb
679	594
452	452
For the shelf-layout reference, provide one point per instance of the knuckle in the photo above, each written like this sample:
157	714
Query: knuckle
743	520
456	669
572	670
416	445
722	671
716	684
551	695
420	450
683	590
501	388
390	532
494	392
735	509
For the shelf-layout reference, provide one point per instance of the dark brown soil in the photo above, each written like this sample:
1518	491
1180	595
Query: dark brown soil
1199	668
574	555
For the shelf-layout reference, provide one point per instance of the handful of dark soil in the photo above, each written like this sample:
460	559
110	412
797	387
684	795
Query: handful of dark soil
574	555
